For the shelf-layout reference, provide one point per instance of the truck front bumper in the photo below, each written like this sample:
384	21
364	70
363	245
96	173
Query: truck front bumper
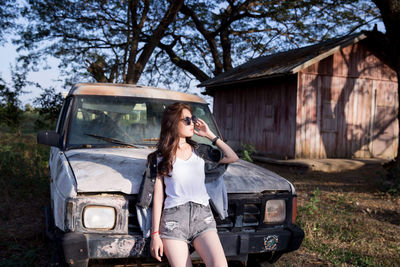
78	248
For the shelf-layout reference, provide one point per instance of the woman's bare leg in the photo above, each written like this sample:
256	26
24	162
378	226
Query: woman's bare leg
209	247
177	252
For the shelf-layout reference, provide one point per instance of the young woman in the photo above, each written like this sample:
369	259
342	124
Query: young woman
185	215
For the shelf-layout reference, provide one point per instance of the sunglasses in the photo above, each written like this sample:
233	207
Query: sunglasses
187	120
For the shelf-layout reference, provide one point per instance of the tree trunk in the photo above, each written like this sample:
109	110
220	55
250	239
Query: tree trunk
398	118
390	13
136	70
226	49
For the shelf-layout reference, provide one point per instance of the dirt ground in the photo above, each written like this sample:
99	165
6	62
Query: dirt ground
346	219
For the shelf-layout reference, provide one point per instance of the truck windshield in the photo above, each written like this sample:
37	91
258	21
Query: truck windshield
95	120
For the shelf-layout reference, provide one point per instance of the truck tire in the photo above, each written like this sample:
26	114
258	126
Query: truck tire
53	241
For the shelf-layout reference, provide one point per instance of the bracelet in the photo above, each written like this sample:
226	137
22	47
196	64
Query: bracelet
215	140
156	232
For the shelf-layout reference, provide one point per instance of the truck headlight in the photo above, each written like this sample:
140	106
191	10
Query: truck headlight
275	211
99	217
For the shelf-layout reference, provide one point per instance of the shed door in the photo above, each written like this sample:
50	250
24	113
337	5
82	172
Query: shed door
384	124
344	108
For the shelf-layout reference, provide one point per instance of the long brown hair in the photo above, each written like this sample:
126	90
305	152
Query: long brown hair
169	137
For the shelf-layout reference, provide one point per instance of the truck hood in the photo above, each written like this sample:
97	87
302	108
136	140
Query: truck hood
121	170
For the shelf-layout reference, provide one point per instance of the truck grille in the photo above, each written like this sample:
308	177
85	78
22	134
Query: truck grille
133	224
242	216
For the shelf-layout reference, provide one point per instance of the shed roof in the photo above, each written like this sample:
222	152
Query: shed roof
283	63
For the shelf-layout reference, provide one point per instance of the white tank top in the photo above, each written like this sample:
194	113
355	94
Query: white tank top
186	182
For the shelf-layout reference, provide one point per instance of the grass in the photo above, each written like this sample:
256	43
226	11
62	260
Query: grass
24	193
347	221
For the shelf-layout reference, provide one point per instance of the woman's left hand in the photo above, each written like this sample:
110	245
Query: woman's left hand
202	127
203	130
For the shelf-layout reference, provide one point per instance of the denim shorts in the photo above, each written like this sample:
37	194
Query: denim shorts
186	222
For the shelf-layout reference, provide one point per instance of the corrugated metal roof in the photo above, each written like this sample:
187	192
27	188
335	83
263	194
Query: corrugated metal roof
283	63
112	89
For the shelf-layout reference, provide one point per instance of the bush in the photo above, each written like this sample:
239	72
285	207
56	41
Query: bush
391	182
247	150
10	113
312	206
24	187
49	105
23	167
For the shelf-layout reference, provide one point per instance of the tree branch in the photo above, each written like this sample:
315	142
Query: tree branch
207	35
134	75
144	13
184	64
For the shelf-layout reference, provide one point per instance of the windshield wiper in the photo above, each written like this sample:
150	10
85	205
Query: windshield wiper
113	141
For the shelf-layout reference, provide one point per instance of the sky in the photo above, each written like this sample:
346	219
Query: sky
45	77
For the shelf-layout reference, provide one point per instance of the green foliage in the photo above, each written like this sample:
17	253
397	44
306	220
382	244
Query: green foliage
10	113
111	40
312	207
24	187
28	107
390	182
247	151
9	11
210	37
49	106
23	167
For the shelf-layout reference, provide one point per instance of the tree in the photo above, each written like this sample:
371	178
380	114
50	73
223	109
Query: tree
49	104
110	40
113	41
10	112
210	37
9	10
390	41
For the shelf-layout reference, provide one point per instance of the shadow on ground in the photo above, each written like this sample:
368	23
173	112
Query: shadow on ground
353	224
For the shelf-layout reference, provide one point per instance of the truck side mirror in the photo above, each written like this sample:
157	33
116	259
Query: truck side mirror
50	138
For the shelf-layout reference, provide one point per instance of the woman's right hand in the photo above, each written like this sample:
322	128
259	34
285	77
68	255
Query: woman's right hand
156	247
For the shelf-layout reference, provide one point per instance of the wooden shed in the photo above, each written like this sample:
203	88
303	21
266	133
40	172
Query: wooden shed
335	99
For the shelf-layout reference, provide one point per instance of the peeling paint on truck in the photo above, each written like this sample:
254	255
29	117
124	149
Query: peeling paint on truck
121	169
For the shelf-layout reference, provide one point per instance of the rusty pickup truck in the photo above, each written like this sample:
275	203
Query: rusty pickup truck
97	160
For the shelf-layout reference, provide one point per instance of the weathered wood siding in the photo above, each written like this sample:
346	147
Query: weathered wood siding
259	113
347	106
